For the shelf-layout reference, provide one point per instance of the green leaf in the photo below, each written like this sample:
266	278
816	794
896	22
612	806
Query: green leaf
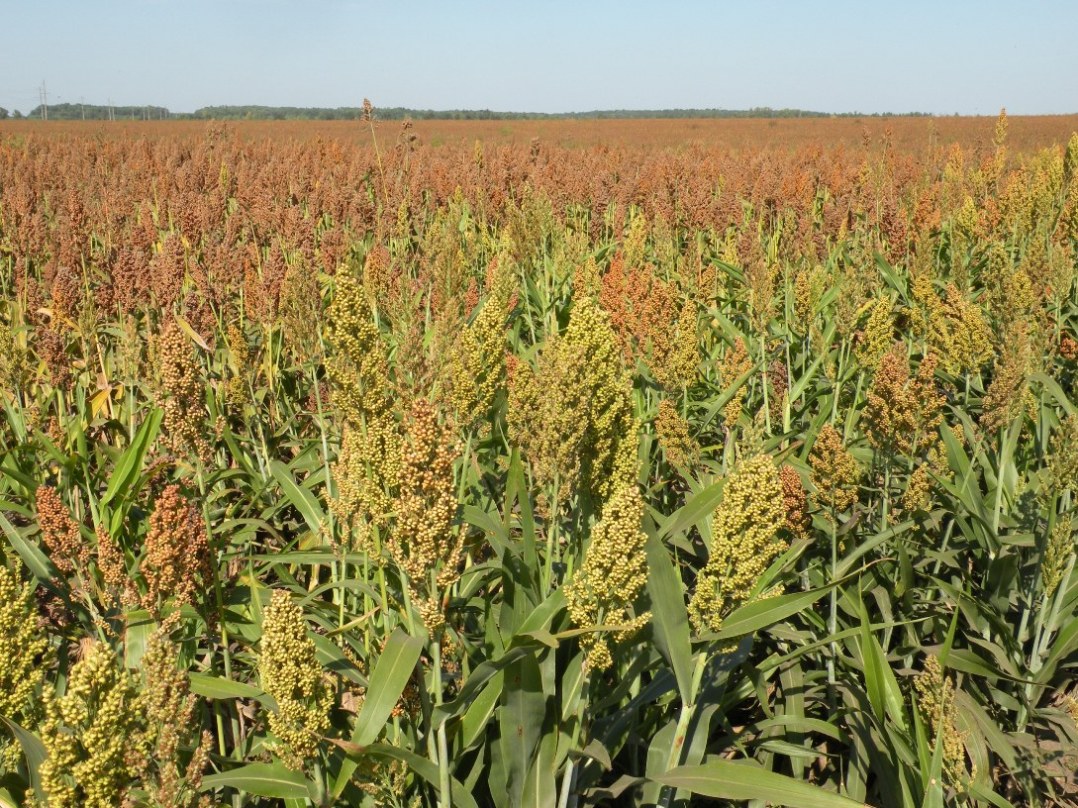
330	656
1053	388
698	507
299	497
895	279
726	395
880	682
140	627
763	613
33	750
542	615
521	719
424	768
517	491
540	787
979	793
486	521
933	794
597	752
729	780
35	560
810	373
218	688
483	673
670	621
797	723
475	719
391	674
573	676
193	335
262	780
130	462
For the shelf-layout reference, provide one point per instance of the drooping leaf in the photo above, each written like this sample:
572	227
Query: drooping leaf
262	780
730	780
33	750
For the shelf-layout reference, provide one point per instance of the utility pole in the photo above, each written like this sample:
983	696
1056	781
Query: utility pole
82	108
44	101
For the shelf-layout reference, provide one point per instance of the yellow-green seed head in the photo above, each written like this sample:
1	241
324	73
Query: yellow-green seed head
291	673
612	575
89	732
745	540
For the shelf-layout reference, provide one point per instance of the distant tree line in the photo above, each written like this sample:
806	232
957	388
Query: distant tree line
98	112
400	113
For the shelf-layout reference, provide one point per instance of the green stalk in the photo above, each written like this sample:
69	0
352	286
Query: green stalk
832	617
885	504
551	539
763	382
837	386
226	655
330	493
378	157
1000	472
786	404
566	797
445	797
681	731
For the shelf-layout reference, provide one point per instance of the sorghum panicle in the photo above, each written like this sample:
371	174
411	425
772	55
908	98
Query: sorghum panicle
736	362
367	468
902	413
835	473
177	560
573	414
88	734
676	367
167	708
611	576
968	345
290	673
477	362
674	438
1008	395
111	563
184	393
1062	459
875	340
1057	554
936	703
23	647
745	540
795	502
426	542
358	365
59	531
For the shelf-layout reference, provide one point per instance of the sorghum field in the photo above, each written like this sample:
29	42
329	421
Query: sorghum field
374	468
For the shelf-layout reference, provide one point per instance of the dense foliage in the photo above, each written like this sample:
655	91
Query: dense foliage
337	474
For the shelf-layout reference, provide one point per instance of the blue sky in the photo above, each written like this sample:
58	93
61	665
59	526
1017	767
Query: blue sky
548	55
